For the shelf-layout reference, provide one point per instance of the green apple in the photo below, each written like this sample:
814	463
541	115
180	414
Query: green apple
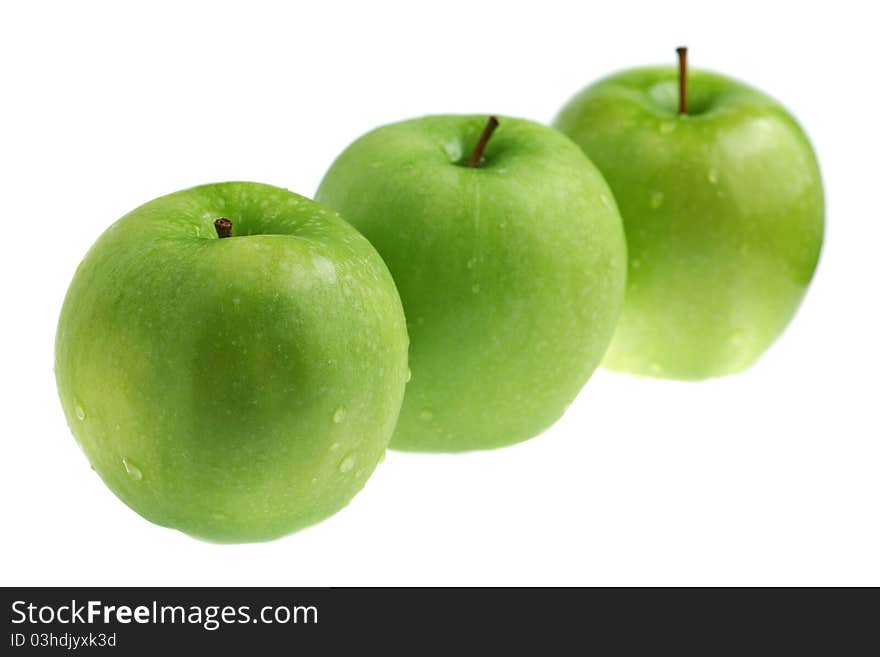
723	209
510	259
239	388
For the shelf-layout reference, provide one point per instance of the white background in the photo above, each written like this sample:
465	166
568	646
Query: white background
771	477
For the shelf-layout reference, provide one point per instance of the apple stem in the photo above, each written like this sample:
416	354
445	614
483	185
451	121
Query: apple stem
477	155
223	226
682	79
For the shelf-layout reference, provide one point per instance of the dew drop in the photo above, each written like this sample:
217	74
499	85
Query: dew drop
656	200
347	463
475	288
605	200
80	412
408	375
453	151
712	177
426	415
132	470
471	262
334	447
339	415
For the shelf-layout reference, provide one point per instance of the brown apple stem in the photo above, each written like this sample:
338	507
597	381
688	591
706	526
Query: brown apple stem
477	155
223	226
682	79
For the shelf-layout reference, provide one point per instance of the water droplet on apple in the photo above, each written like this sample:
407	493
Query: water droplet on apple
408	375
471	262
475	288
132	470
712	176
453	151
339	415
236	302
314	480
80	412
334	447
347	463
656	200
426	415
605	200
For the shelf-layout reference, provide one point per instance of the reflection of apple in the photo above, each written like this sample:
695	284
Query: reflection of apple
236	389
510	262
723	211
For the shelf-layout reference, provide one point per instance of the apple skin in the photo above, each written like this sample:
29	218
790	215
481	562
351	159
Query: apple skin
236	389
723	210
511	273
